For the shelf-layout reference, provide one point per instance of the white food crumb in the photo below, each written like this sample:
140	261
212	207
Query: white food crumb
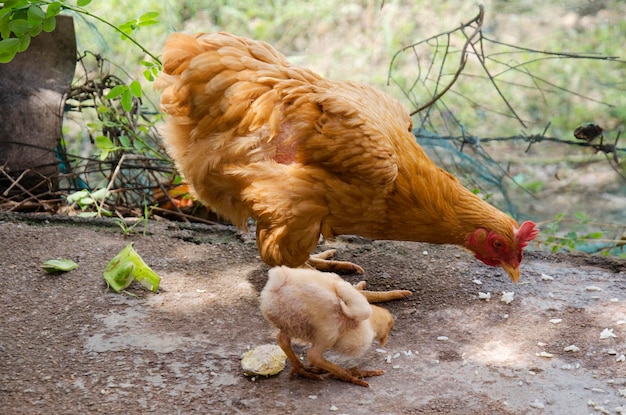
614	300
397	355
621	358
606	334
442	338
619	322
396	366
597	407
388	359
546	277
571	348
612	352
541	344
507	297
333	408
545	354
598	390
593	288
505	316
312	396
555	320
381	350
408	353
622	392
477	282
424	252
537	405
484	296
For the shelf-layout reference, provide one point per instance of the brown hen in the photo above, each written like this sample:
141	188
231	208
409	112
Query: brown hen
258	137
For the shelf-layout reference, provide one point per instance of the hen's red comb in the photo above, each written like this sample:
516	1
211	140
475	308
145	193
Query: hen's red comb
526	233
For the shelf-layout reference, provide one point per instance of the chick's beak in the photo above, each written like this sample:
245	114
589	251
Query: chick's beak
512	270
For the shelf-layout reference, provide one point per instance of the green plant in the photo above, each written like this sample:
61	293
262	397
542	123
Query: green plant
21	20
127	228
87	200
581	234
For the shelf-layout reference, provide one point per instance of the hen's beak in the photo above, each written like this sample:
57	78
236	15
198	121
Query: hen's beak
512	270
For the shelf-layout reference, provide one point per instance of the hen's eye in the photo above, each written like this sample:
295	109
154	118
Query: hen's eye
498	244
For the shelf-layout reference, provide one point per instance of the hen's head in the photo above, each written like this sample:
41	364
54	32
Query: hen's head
495	249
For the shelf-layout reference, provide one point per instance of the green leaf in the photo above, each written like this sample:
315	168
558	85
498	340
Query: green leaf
20	26
100	194
148	16
53	9
35	30
24	43
5	32
135	89
124	141
148	23
127	266
104	143
127	27
49	24
8	49
35	15
53	266
595	235
116	91
82	3
127	100
76	196
148	75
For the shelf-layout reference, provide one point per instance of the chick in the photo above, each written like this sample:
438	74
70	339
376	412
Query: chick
327	312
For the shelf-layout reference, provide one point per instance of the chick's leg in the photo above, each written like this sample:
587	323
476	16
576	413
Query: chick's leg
321	262
316	358
284	341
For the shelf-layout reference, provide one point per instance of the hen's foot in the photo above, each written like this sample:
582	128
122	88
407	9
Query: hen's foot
381	296
321	262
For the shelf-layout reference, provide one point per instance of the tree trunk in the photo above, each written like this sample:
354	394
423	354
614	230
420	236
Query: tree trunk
33	88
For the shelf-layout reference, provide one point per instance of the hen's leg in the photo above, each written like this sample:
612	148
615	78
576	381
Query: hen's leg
381	296
284	341
322	262
316	358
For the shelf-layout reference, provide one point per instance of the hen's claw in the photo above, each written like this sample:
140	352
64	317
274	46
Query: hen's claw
381	296
321	262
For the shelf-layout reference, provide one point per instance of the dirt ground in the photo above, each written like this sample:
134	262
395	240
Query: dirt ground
70	346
